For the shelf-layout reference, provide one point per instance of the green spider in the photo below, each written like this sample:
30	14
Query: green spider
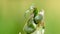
35	18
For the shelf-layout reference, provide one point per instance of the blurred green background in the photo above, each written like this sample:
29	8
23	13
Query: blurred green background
12	15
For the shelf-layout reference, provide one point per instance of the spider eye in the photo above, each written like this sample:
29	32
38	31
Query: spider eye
41	12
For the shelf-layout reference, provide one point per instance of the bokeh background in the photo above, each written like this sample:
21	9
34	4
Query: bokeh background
12	15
